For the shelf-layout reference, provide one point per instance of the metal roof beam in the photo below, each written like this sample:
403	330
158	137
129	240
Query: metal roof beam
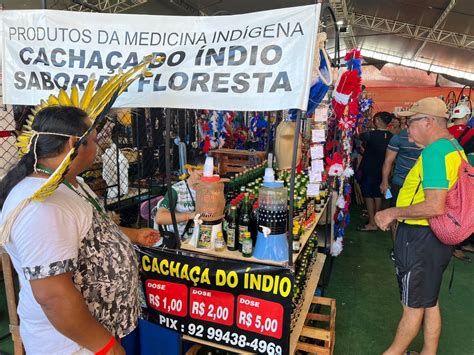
440	20
407	30
112	6
341	12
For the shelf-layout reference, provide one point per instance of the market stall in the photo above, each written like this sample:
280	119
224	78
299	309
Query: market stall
254	293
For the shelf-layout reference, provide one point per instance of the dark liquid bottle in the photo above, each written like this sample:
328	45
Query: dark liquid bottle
232	229
244	220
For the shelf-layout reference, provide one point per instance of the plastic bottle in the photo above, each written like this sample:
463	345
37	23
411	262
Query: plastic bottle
247	246
219	243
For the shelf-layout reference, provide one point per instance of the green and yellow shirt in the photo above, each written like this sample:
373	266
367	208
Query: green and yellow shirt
436	169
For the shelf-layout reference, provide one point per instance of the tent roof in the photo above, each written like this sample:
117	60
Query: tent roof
371	22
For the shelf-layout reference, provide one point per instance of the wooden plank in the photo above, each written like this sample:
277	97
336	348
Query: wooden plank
235	162
316	333
308	298
215	345
318	317
323	300
312	348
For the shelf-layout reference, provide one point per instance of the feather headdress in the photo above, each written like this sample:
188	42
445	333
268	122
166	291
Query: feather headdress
96	104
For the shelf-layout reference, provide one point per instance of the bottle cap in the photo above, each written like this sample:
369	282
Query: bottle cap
209	167
269	175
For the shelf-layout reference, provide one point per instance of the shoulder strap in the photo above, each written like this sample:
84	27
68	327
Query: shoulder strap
454	145
463	134
413	198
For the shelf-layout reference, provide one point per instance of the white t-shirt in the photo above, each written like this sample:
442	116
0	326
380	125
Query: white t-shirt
44	242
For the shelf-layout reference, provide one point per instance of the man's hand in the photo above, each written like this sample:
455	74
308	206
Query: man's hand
385	218
146	237
384	186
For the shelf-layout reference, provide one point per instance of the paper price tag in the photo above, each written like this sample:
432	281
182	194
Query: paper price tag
312	190
317	166
321	114
318	135
315	177
317	152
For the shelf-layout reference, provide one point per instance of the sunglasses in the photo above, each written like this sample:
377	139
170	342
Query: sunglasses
411	120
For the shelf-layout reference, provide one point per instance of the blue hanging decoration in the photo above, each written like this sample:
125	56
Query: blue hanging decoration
317	91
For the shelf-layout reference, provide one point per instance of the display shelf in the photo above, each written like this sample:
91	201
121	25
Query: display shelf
227	254
236	255
308	298
309	231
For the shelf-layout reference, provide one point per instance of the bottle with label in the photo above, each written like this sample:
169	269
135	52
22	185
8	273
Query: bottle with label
232	228
247	246
244	219
296	240
318	205
219	243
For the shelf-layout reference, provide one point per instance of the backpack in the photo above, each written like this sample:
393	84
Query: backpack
457	224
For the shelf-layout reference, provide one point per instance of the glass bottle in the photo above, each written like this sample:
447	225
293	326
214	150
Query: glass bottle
296	240
232	228
244	219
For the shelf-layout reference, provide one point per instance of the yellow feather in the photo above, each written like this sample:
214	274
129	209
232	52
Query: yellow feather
86	97
75	96
53	100
94	104
64	100
54	180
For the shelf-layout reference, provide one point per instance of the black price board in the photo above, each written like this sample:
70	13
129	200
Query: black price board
242	305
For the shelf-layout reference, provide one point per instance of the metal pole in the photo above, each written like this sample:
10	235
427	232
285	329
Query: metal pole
168	178
292	187
268	132
44	4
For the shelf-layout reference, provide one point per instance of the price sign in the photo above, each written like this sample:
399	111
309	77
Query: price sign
246	306
212	306
260	316
167	297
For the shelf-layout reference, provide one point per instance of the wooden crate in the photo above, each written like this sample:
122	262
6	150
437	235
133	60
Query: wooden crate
326	336
235	161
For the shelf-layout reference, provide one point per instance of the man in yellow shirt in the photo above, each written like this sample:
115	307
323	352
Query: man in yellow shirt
420	258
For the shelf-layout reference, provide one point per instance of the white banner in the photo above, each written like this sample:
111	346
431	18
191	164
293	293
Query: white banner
259	61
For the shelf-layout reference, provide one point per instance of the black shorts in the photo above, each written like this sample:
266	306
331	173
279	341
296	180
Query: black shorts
395	190
420	260
370	186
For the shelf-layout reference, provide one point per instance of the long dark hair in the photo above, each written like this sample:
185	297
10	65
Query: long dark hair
56	119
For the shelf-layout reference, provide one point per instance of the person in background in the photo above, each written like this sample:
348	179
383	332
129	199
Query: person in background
459	129
184	200
375	144
420	258
77	269
395	126
465	136
404	153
